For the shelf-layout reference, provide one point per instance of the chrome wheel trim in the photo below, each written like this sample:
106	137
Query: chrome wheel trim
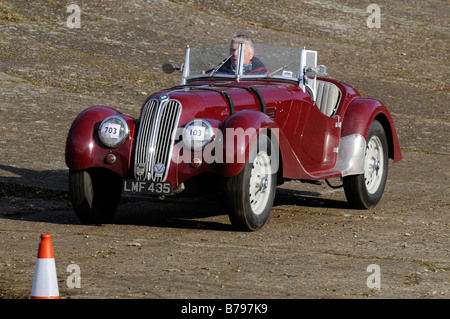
373	165
260	183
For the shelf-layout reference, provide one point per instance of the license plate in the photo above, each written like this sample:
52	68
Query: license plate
148	187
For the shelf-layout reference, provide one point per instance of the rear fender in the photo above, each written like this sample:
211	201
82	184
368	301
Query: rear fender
359	116
84	150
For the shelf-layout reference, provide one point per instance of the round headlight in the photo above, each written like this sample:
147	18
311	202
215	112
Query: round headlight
197	134
113	131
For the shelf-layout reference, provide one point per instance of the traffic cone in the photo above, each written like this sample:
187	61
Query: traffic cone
45	282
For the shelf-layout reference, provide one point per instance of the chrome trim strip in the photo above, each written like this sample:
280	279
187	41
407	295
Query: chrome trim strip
142	144
351	155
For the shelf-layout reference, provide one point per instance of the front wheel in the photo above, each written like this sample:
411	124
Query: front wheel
251	193
365	190
95	194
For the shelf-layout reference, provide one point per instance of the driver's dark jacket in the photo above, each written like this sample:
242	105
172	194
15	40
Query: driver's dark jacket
255	68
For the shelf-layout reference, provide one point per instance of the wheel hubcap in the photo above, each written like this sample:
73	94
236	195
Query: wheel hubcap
373	165
264	183
260	180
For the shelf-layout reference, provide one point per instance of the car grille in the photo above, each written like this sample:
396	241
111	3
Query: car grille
158	124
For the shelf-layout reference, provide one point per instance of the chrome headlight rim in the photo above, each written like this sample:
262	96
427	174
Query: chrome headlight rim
208	134
106	134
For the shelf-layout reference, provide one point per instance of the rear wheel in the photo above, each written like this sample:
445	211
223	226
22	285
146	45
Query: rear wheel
95	194
251	193
365	190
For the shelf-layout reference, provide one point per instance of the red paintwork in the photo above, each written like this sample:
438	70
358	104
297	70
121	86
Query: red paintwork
83	149
307	137
361	112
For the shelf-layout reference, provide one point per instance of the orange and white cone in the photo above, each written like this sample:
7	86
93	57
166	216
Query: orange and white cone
45	282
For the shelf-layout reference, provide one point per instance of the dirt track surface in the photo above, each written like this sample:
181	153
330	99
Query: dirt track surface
313	245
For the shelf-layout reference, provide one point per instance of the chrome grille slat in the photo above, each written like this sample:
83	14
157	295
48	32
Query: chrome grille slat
159	120
143	141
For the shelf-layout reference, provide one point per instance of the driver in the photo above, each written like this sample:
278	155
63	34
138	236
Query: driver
252	65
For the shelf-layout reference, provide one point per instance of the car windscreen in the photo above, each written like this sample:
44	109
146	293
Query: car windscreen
268	61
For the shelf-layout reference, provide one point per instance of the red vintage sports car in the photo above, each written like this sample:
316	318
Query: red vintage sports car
235	126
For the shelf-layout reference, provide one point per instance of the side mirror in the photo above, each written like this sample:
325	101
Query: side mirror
320	70
169	68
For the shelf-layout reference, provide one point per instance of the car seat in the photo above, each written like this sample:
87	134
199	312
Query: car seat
327	97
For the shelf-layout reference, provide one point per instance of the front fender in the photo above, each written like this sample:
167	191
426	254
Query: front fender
359	116
84	150
240	131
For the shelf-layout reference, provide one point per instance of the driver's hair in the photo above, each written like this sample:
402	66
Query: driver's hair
243	38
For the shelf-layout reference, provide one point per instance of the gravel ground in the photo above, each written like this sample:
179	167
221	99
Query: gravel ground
313	245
